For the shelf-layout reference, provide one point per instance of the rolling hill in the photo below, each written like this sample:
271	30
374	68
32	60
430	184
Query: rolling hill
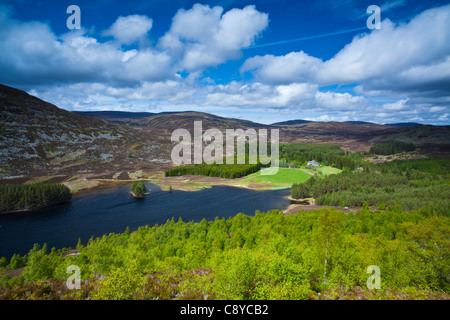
38	138
172	121
121	117
291	122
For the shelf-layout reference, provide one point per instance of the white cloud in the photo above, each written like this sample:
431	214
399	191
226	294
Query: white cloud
239	28
202	37
408	63
437	109
327	117
32	54
293	67
395	106
408	50
198	38
258	95
382	115
414	57
130	28
339	101
295	94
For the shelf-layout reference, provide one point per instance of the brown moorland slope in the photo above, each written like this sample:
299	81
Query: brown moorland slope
38	138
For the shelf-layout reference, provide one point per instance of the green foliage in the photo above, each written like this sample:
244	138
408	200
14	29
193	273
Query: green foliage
303	190
40	265
300	191
79	244
138	189
3	262
120	284
272	255
16	261
410	184
268	256
324	153
32	196
417	168
291	155
392	147
227	171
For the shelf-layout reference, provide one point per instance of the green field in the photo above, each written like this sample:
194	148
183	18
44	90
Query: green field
285	177
325	171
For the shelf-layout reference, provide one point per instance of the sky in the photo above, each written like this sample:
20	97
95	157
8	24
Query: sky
264	61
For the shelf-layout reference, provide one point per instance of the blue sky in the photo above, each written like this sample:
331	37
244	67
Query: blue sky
265	61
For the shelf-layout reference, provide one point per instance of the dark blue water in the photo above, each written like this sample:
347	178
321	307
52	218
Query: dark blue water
112	210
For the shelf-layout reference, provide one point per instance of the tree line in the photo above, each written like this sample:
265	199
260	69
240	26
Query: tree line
417	168
226	171
291	155
32	196
295	154
275	256
395	183
392	147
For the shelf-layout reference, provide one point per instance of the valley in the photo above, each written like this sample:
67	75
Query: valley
307	231
246	152
41	142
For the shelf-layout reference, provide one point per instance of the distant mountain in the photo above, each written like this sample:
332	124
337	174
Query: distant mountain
290	122
295	122
123	117
174	120
39	139
404	124
171	120
37	136
359	122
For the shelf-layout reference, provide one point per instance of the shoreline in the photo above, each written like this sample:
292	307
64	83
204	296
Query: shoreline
108	184
305	201
135	196
82	185
37	209
176	185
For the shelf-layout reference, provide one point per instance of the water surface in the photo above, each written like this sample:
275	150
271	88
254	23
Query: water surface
112	210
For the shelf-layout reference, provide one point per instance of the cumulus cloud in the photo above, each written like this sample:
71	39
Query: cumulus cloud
130	28
200	37
414	56
258	95
293	97
293	67
410	52
32	54
395	106
340	101
203	36
408	63
328	117
268	102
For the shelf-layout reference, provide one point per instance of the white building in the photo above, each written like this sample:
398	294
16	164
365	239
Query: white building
313	163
